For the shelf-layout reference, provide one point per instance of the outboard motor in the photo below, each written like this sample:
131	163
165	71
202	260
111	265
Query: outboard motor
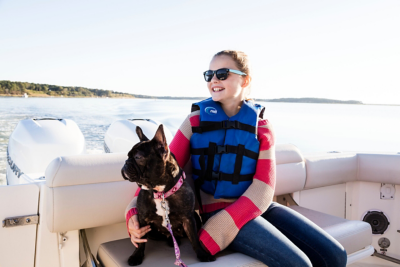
121	135
34	143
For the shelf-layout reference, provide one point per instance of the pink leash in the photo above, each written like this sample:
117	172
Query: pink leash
178	260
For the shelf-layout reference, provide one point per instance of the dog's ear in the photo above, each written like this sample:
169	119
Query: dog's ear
161	142
140	134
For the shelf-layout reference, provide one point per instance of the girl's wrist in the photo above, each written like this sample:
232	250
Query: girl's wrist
130	213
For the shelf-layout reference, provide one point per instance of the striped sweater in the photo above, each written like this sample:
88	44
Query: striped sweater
220	230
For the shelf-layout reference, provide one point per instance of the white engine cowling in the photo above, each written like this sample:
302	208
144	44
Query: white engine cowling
121	135
34	143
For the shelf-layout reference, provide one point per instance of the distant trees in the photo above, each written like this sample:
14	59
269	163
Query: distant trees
19	88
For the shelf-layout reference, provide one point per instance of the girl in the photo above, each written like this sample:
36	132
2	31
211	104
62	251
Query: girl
232	150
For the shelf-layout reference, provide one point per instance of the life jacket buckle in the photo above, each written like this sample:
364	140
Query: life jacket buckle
221	149
230	124
216	176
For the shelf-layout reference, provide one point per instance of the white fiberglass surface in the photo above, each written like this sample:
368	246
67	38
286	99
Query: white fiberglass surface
373	261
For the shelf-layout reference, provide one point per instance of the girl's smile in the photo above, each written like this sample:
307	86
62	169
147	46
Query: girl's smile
217	89
231	91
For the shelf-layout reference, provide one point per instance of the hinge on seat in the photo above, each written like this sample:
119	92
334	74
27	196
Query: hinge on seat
20	221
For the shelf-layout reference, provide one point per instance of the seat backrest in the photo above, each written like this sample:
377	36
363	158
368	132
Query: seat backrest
326	169
381	168
85	191
290	169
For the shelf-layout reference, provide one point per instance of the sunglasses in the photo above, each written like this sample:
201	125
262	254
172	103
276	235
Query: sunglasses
222	74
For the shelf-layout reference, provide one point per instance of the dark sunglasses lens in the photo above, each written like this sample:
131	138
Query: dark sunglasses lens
222	74
208	75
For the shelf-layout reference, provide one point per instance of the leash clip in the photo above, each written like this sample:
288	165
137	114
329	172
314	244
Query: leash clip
165	207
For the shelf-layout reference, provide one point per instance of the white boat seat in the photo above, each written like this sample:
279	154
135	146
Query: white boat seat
291	173
353	235
158	253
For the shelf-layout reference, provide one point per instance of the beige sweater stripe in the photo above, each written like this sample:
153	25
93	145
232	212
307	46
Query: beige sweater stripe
259	188
222	220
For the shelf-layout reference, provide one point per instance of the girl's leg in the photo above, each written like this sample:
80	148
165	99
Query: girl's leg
319	246
261	240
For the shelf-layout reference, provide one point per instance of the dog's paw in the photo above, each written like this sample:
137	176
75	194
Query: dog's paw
204	256
136	258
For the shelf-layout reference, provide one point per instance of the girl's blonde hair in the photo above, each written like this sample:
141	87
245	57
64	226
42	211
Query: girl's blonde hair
242	63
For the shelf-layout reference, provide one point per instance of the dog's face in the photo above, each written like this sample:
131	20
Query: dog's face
147	160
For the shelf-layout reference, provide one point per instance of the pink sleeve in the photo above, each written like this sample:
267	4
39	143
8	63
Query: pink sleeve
180	145
131	209
130	213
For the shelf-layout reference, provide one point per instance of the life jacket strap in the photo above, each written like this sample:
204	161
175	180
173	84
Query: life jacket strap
208	126
220	176
210	161
238	164
224	149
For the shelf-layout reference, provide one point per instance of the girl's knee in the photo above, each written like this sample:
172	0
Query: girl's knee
341	258
294	259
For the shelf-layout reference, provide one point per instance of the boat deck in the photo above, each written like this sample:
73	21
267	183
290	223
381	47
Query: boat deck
374	262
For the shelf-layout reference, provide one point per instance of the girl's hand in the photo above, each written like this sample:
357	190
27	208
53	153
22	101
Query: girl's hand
137	232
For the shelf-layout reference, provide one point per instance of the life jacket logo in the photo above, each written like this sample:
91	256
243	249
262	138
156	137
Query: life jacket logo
211	111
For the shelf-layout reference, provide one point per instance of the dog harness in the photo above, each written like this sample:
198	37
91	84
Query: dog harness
224	150
160	195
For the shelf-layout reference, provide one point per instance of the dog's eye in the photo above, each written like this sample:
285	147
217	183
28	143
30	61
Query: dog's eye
138	157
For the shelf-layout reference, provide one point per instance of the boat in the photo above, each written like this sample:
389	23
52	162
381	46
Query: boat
63	207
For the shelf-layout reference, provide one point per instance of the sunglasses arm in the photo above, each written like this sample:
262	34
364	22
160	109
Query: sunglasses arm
237	72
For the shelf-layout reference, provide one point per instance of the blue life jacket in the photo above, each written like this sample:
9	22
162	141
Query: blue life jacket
225	150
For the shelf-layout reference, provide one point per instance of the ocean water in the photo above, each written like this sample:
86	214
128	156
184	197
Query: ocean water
311	127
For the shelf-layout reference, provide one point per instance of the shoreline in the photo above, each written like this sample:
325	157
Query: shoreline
57	96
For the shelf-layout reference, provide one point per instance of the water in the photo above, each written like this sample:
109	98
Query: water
311	127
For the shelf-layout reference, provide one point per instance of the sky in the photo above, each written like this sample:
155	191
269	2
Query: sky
341	49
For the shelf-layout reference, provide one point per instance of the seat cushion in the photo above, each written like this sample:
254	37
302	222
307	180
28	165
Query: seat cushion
158	253
353	235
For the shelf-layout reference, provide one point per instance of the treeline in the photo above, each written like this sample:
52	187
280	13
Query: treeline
20	88
35	89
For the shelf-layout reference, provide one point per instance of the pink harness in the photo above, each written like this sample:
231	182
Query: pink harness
163	196
176	187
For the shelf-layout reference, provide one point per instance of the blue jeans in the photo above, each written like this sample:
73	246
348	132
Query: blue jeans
283	237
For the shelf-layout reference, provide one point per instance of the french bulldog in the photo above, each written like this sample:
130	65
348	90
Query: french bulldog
154	168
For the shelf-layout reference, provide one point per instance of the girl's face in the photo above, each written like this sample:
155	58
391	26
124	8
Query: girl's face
231	90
